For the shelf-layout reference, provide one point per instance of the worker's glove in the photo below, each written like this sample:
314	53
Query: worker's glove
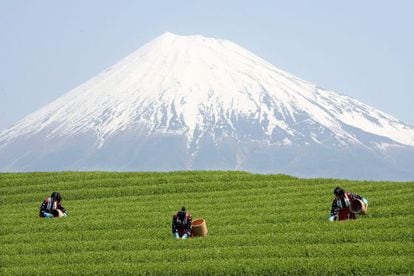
185	236
47	215
332	218
64	215
176	236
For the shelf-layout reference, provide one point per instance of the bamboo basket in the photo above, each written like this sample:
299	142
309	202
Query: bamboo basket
199	228
358	207
57	213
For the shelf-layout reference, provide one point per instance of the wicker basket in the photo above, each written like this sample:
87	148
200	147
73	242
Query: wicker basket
57	213
358	207
199	228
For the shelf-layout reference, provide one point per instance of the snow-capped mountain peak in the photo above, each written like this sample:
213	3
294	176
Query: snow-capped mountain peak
199	87
174	81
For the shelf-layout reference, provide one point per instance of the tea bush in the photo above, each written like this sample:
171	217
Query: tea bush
120	223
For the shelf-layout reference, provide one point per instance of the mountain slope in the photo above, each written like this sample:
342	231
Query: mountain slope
209	100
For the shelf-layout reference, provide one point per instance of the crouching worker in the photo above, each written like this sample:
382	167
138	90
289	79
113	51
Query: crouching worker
181	224
51	207
346	205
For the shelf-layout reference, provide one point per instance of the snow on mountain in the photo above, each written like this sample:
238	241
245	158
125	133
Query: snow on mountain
198	87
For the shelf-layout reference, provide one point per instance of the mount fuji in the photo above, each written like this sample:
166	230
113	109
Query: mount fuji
192	102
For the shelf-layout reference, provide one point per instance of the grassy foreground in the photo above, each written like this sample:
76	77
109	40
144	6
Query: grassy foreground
120	223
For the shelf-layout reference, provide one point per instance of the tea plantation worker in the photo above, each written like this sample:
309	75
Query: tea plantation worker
181	224
51	207
341	205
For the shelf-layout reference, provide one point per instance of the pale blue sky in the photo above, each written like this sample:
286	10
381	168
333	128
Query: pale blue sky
363	49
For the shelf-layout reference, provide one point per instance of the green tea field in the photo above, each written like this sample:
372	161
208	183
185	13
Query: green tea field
120	224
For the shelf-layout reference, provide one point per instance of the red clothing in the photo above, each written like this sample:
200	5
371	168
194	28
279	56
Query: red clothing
345	214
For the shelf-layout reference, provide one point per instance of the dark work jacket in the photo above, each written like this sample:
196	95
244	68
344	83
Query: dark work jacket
340	207
48	205
182	226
